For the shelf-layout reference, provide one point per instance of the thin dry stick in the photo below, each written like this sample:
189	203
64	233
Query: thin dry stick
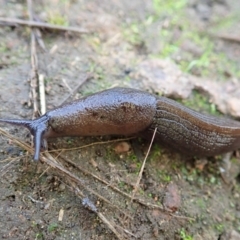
6	168
16	141
227	37
34	63
28	148
31	23
92	144
143	166
39	39
52	162
42	94
66	85
109	224
93	208
79	181
10	159
142	202
99	179
37	32
56	165
126	231
30	13
74	91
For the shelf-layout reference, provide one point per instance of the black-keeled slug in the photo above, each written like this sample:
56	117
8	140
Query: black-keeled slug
126	111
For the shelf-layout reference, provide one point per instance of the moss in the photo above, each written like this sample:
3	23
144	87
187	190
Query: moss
164	176
56	18
184	235
53	227
201	103
170	17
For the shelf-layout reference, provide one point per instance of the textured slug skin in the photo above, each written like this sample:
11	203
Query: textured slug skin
193	133
117	111
126	111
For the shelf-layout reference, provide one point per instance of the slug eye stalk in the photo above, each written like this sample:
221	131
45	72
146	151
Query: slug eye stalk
37	128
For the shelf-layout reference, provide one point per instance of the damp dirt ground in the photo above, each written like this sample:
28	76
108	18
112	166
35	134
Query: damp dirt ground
178	197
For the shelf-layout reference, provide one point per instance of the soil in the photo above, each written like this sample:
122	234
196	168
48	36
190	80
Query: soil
178	197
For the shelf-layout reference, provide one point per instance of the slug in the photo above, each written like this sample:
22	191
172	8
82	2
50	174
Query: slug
126	111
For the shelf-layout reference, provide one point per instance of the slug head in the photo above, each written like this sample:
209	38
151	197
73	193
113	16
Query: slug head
37	127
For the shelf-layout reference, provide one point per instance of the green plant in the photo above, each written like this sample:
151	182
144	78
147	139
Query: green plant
156	151
57	18
219	227
206	61
164	176
168	7
184	235
132	33
52	227
200	102
39	236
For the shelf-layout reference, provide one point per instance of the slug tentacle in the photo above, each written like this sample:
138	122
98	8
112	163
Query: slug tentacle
37	127
18	122
38	140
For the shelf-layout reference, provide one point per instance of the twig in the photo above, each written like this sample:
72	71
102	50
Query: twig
51	162
34	200
10	159
36	31
109	224
42	94
16	141
30	13
93	144
228	37
142	202
34	63
182	217
6	168
38	36
66	85
32	23
143	166
56	165
77	180
88	204
126	231
81	82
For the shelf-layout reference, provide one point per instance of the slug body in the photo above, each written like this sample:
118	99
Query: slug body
126	111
